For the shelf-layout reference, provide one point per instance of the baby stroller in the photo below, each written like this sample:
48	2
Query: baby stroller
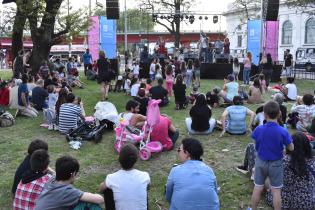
125	133
148	147
106	111
93	128
87	131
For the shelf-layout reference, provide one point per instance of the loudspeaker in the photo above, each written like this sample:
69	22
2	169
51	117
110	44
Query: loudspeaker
112	9
272	10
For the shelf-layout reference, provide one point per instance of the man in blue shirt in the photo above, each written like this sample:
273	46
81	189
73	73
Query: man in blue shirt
24	107
87	60
270	140
192	185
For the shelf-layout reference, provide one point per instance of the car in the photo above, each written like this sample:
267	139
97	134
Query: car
305	59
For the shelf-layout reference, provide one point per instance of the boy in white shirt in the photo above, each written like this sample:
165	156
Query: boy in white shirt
129	185
290	91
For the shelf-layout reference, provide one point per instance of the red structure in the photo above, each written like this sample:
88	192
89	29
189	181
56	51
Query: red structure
185	38
152	37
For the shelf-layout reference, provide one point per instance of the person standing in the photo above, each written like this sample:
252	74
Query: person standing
103	75
152	69
267	69
18	65
247	68
270	140
288	63
236	68
87	61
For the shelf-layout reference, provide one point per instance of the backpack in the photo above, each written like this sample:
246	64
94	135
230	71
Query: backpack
6	119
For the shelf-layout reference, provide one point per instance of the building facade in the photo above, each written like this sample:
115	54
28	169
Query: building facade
296	30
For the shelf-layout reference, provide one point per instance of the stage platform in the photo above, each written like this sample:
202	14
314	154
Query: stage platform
221	70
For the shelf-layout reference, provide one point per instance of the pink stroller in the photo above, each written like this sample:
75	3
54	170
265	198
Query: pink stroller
153	118
123	136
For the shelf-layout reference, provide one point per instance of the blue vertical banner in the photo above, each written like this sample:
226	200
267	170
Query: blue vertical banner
254	39
108	37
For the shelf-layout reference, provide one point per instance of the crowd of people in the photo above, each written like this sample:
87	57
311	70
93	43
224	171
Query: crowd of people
37	186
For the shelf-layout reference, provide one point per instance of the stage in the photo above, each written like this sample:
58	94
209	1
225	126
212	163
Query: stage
221	70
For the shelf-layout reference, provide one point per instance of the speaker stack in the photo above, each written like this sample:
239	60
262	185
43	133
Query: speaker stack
112	9
271	8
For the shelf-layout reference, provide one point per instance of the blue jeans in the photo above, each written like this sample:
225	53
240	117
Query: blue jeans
152	77
189	76
246	73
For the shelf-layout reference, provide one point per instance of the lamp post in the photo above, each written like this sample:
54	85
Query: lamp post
70	38
126	44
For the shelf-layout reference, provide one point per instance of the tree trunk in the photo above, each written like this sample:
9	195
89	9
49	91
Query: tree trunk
177	34
17	34
41	49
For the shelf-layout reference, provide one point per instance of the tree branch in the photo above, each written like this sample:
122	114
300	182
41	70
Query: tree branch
167	3
164	25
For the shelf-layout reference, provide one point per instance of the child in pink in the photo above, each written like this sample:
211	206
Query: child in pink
169	79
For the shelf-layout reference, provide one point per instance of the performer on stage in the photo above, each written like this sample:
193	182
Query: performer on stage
203	47
226	46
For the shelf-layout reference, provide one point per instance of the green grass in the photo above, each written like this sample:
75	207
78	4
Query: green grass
97	160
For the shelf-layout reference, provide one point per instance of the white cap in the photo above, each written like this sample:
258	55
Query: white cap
119	77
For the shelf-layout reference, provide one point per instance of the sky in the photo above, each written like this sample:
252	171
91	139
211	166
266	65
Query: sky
201	6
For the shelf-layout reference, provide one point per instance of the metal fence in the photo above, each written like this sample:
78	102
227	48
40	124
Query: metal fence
303	74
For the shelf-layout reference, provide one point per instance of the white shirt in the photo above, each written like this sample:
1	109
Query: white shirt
136	69
129	188
127	84
152	68
292	91
134	89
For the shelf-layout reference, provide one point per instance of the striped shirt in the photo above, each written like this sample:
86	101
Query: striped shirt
68	117
236	119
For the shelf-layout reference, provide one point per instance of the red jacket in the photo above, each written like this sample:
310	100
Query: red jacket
4	96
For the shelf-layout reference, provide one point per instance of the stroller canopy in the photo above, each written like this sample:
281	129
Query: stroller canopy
106	111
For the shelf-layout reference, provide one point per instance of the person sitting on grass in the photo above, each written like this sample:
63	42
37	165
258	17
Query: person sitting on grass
306	112
289	90
200	121
70	113
213	99
192	184
234	118
59	194
25	107
25	165
143	100
230	89
129	185
4	94
159	92
33	181
255	93
165	133
298	176
39	96
179	88
131	116
269	141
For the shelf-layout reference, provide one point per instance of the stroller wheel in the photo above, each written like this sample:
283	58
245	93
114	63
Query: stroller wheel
98	137
68	138
144	154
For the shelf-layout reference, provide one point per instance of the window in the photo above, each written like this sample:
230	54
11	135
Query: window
310	31
287	32
239	41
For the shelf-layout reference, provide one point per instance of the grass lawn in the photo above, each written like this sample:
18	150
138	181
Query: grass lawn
97	160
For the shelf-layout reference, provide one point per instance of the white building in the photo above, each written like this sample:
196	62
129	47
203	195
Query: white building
296	30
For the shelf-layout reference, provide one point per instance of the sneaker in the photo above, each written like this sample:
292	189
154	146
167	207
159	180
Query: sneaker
17	113
252	177
56	127
241	169
51	127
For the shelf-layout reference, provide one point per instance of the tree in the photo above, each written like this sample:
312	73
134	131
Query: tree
46	25
307	6
138	20
174	8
